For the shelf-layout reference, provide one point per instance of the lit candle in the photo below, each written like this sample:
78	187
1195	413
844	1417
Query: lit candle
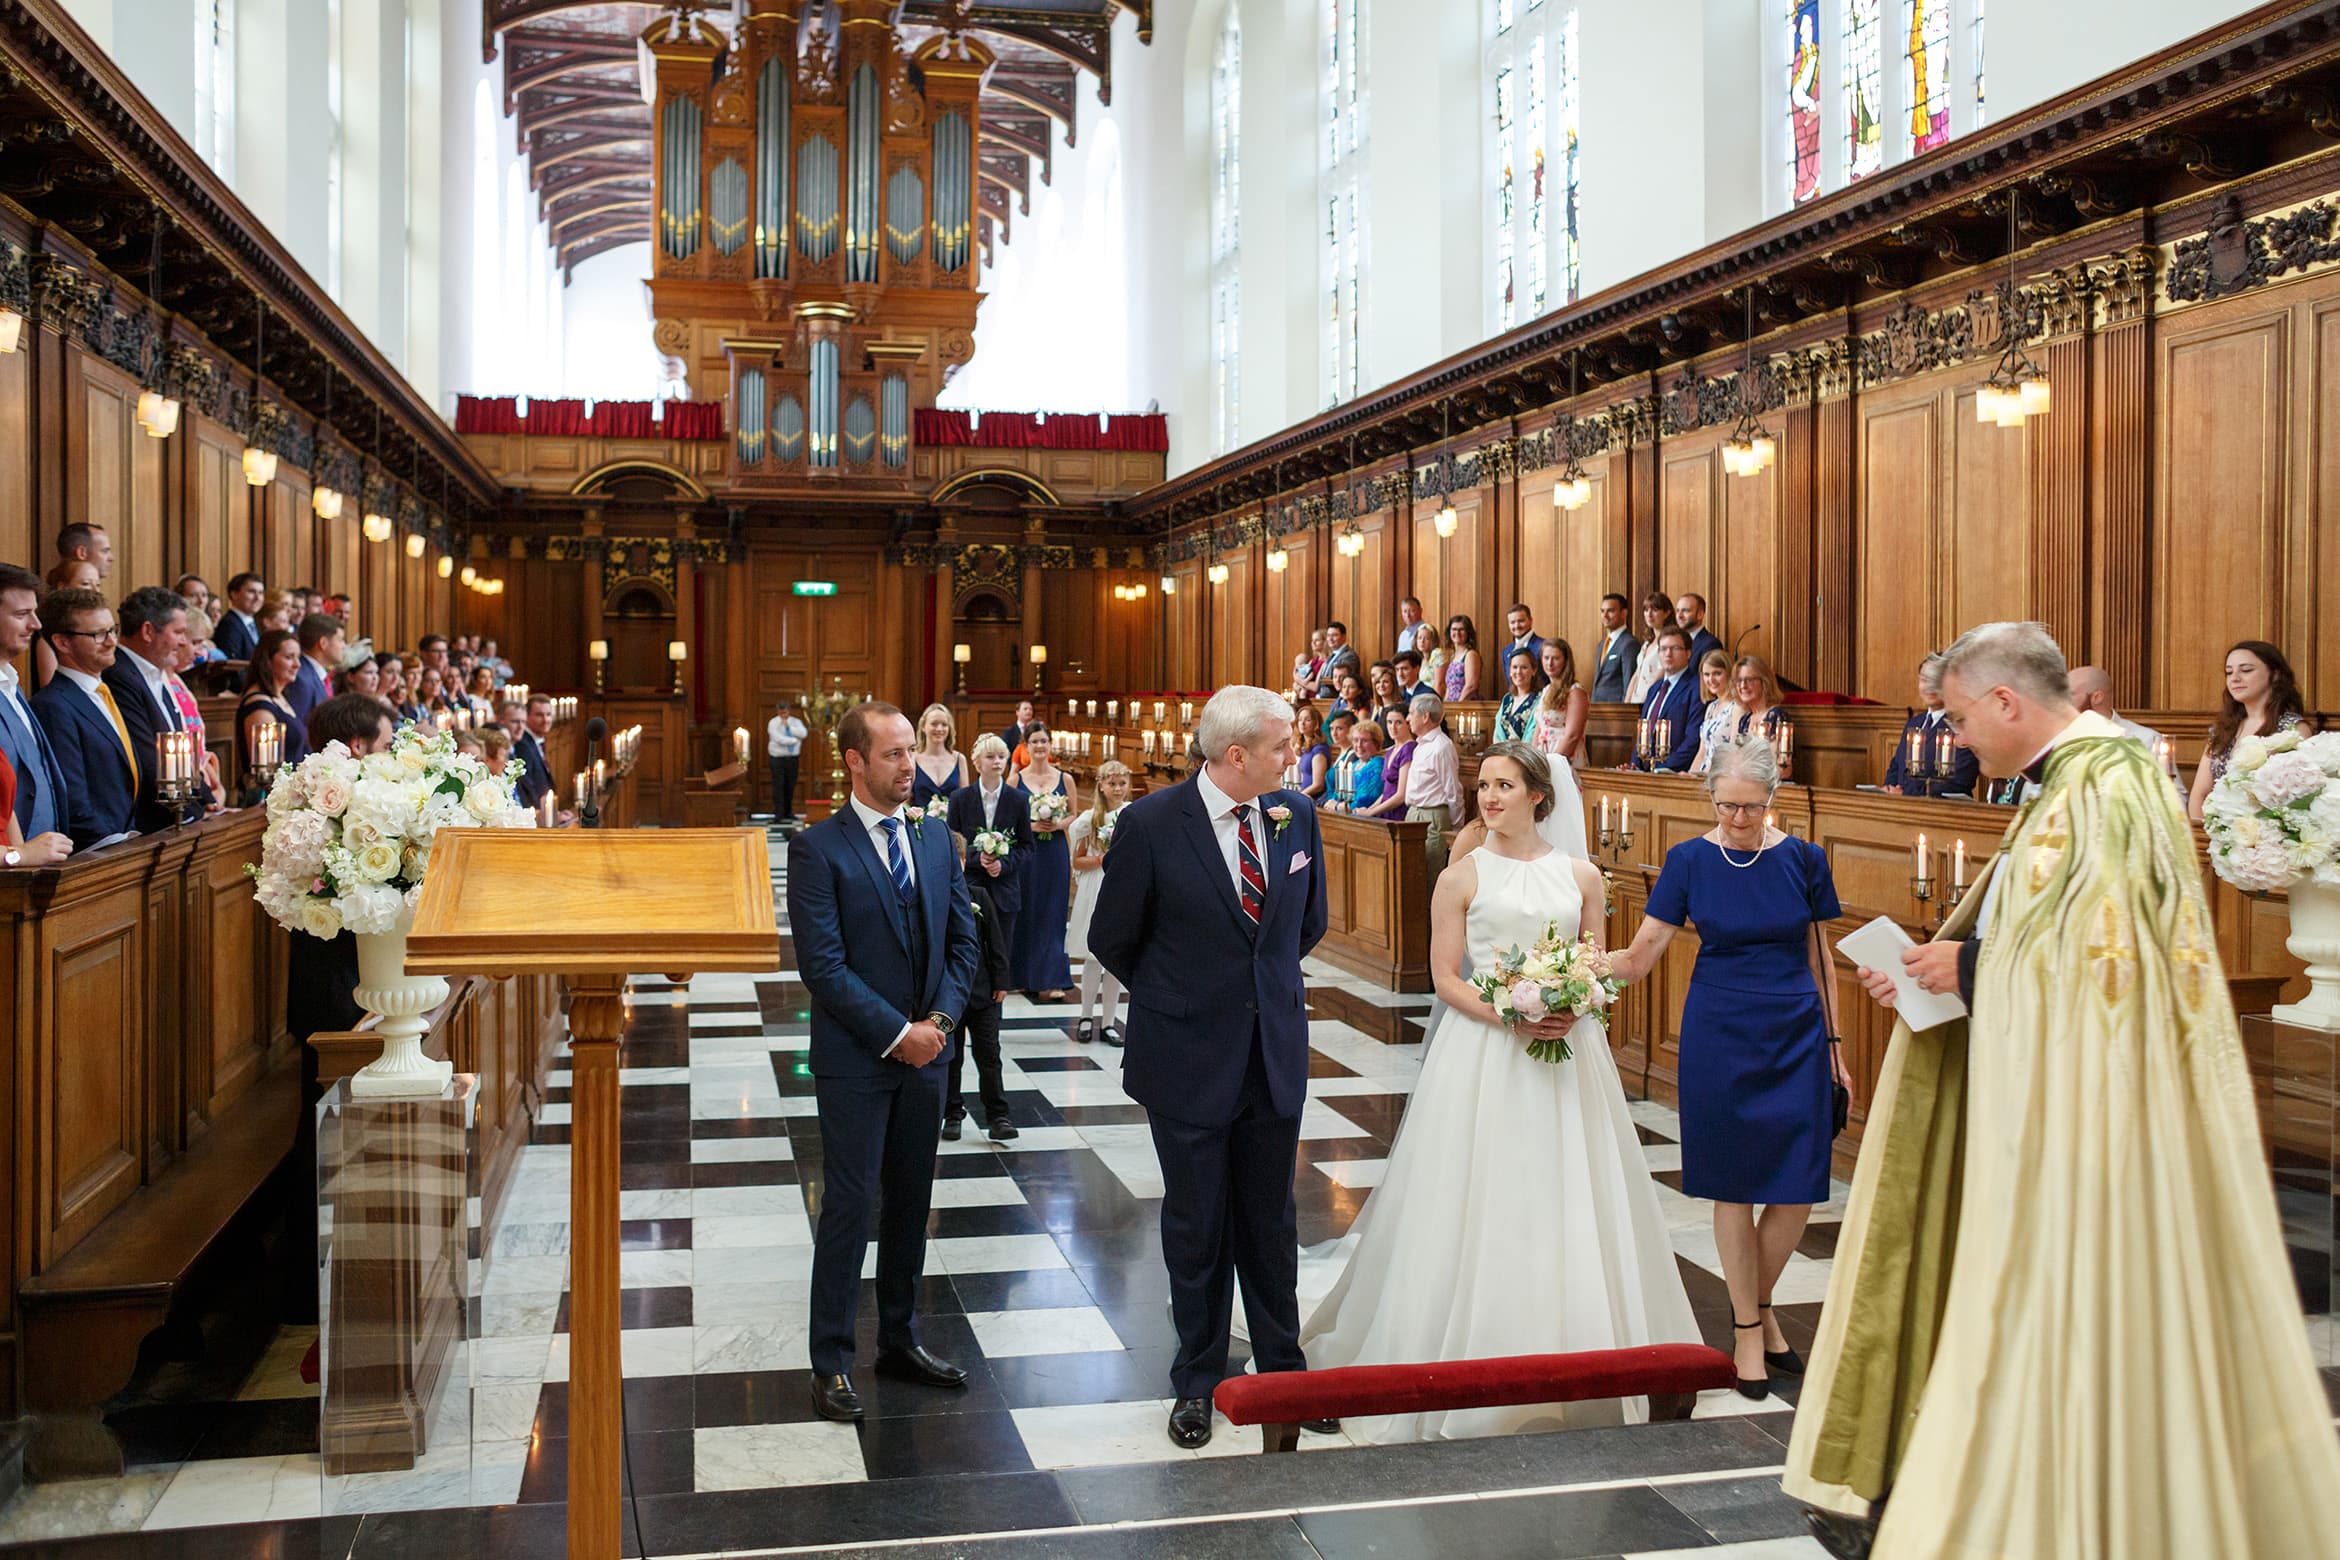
2165	752
443	720
1770	822
739	743
1922	857
546	816
1157	712
601	774
1625	817
1958	864
1915	763
1784	744
1112	710
1186	712
1641	739
1665	739
1146	740
1604	815
268	746
583	788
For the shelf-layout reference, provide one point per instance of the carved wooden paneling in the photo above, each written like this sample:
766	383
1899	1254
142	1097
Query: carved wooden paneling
1362	596
1900	490
218	502
1235	647
90	1072
2317	660
17	539
2054	499
1186	626
2219	510
1687	505
1746	595
1291	611
116	477
1992	567
1449	571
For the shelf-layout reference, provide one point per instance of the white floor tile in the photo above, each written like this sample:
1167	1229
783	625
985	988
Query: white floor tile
1045	1330
1355	1173
747	1457
993	1254
221	1490
977	1191
752	1229
738	1151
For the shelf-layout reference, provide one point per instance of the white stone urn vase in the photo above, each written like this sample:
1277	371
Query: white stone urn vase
2315	938
400	1000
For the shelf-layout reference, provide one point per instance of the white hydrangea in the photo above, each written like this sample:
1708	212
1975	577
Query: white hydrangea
2249	753
2286	778
369	908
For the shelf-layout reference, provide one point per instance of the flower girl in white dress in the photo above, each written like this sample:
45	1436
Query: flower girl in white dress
1517	1214
1090	834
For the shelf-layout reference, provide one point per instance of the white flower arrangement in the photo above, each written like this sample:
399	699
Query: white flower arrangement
1051	808
349	839
2274	816
995	843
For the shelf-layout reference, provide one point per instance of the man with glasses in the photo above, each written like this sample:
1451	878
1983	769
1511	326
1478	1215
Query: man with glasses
95	759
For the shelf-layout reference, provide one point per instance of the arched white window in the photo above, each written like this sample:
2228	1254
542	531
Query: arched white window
1870	83
1532	193
1226	232
1342	196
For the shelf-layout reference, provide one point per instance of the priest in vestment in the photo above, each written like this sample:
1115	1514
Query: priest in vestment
2061	1322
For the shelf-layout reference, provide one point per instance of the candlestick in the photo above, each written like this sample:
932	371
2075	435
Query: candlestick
1665	741
1112	710
1157	712
1958	864
582	787
546	811
1783	746
1186	712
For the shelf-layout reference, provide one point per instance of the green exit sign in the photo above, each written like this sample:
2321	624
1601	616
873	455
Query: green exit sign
815	587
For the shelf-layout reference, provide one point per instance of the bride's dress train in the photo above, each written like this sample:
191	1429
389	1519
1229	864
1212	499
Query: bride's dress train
1517	1214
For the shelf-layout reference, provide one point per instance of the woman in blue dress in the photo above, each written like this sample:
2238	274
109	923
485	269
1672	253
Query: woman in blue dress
1040	966
1760	1055
938	767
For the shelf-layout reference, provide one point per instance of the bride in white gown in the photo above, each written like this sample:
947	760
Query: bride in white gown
1517	1214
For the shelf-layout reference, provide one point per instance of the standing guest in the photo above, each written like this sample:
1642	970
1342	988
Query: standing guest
64	574
1522	624
238	634
85	541
1027	718
1433	780
1363	787
528	739
1690	613
1336	741
1430	645
1353	697
37	810
1562	708
2091	688
1339	656
191	712
1930	726
1614	660
276	661
1721	721
1092	836
1397	752
1381	683
96	766
1406	667
1315	758
991	803
2262	698
195	592
979	1024
1674	698
322	642
1409	620
886	947
365	678
1517	712
1041	966
1760	1055
153	636
1462	659
784	736
939	768
1657	612
1308	663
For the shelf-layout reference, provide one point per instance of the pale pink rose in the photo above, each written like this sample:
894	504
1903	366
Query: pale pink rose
1528	998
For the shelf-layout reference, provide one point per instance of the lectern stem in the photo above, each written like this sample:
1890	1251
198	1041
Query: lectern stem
596	1385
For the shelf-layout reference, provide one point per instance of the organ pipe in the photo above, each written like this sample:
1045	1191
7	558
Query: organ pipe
678	184
863	101
905	215
894	420
816	199
748	418
824	403
954	190
772	89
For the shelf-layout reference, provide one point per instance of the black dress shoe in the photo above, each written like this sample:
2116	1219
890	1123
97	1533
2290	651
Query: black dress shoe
1756	1388
1084	1031
1004	1130
1112	1036
1190	1422
1321	1426
834	1398
915	1364
951	1129
1847	1538
1786	1361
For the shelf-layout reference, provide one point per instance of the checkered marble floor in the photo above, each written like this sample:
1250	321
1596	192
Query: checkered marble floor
1044	1276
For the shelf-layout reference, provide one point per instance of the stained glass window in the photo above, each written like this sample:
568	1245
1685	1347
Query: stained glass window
1864	84
1226	232
1344	140
1927	82
1564	102
1803	100
1533	160
1506	197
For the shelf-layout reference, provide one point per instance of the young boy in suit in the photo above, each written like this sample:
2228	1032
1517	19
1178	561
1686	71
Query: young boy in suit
979	1025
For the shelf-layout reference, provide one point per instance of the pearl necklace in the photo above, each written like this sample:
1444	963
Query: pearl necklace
1750	861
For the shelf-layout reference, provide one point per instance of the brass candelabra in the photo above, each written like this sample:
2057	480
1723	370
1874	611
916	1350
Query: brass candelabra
825	708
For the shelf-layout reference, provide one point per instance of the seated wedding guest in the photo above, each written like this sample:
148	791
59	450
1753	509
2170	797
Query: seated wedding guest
1760	1056
365	678
979	1020
495	749
1674	698
784	736
153	638
468	742
1042	969
1336	742
64	574
1617	653
938	768
1690	613
528	738
1562	706
482	692
1722	711
430	694
2262	698
191	713
97	769
1406	667
36	810
1339	656
193	590
1433	779
276	659
238	631
1308	663
200	634
395	694
1517	712
1381	685
1462	659
1364	773
1657	611
1091	837
1397	755
1522	624
1929	727
2092	695
1314	757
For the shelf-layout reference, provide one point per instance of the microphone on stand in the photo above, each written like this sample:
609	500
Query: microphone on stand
1742	639
589	805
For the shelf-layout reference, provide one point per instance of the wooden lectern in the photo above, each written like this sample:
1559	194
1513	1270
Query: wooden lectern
593	907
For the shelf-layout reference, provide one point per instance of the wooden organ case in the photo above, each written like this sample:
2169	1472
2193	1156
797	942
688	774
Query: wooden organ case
815	250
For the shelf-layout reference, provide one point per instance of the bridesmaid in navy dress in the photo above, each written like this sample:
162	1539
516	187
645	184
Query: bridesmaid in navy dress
1041	966
938	768
1759	1054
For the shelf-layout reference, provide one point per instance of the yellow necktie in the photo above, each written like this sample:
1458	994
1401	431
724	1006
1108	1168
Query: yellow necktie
114	714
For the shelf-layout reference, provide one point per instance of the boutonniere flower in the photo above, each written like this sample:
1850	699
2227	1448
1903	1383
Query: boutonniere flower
1281	817
937	807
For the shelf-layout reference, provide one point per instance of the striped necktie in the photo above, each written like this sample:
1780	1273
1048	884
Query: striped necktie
1254	890
114	714
897	863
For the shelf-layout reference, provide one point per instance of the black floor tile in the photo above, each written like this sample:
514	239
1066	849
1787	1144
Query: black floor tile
998	1219
1049	1287
659	1462
1738	1511
746	1126
654	1235
895	1446
1041	1064
652	1403
656	1175
1103	1115
1265	1538
1581	1523
753	1172
1100	1376
755	1397
852	1513
1127	1284
265	1427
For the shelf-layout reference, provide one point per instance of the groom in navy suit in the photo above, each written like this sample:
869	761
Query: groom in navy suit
1213	892
885	943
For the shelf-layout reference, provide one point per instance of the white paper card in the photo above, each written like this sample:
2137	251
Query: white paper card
1879	946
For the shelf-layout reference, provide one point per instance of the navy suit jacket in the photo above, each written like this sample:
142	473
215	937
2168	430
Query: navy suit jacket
1701	642
99	796
536	779
1203	988
40	789
1533	645
307	690
1014	815
235	641
146	723
853	945
1614	673
1686	710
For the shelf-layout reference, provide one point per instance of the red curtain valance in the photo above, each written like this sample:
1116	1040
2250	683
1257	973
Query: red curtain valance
607	420
1146	432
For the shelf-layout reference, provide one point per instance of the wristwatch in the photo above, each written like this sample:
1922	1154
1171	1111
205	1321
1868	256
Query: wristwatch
943	1022
11	857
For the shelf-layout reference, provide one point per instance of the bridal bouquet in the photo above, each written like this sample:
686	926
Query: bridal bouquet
995	843
1052	808
348	839
1559	974
2274	816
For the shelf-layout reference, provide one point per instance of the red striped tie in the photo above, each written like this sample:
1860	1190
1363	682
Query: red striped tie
1254	893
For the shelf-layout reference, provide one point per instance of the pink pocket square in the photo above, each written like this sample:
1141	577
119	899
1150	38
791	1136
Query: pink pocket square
1299	864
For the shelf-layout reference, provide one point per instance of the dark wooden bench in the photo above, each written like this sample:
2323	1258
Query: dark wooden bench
86	1315
1670	1375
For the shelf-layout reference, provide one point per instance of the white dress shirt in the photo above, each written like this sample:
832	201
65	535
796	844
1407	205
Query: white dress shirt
89	685
158	688
1219	808
990	798
12	697
783	736
325	673
873	824
1434	778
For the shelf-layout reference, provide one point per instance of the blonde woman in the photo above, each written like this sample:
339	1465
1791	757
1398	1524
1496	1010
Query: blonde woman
1091	836
938	768
1561	709
1040	963
1722	712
